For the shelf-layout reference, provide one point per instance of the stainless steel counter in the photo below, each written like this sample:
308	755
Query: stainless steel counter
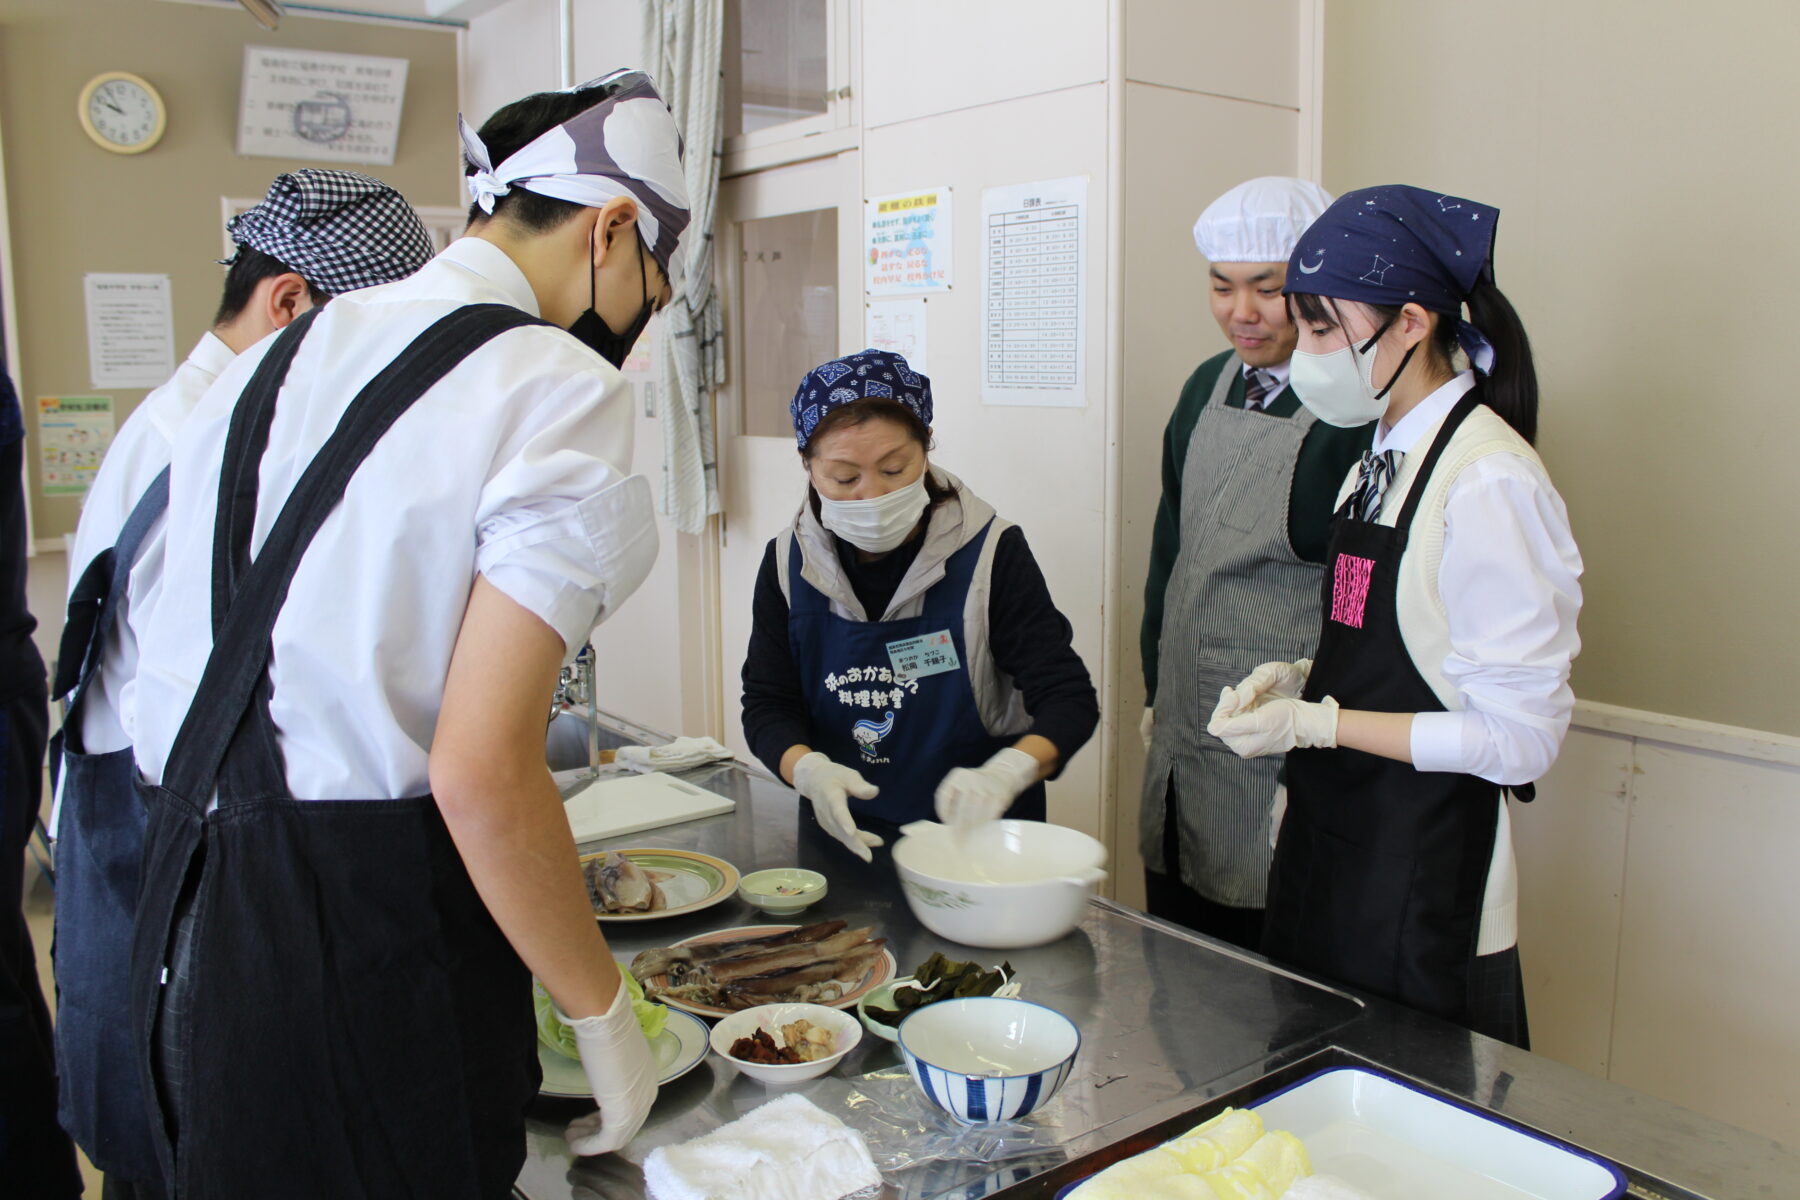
1172	1025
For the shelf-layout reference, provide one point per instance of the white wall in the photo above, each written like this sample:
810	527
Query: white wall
1659	913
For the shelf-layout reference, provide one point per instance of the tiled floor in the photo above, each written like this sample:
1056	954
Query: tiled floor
38	906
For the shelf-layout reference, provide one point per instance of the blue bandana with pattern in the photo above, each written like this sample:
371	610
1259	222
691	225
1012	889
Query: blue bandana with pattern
866	375
1394	244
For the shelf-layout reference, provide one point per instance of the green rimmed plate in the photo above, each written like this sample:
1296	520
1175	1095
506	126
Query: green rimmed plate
678	1049
690	881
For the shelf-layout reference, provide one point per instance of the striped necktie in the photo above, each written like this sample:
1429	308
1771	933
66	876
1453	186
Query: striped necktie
1376	473
1256	388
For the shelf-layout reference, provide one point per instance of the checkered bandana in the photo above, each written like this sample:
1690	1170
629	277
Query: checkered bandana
339	230
866	375
626	145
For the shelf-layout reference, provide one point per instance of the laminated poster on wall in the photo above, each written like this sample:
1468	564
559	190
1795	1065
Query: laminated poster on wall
317	105
898	326
907	243
130	330
1033	293
73	434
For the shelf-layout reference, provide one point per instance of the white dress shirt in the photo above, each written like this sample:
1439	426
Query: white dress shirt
1509	583
512	467
136	457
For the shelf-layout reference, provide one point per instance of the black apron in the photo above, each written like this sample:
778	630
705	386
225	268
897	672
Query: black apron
99	847
1380	869
345	1019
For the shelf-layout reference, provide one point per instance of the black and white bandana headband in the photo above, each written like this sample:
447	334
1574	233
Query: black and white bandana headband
626	145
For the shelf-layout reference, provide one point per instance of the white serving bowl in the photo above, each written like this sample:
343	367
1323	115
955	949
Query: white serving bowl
985	1059
783	891
1001	885
844	1027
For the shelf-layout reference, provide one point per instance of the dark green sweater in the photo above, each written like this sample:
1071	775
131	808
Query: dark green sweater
1326	456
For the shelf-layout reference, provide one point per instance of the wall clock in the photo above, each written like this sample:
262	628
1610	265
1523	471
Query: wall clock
122	112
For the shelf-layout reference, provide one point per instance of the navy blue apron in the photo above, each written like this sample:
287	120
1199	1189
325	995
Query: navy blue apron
1380	869
341	1017
903	735
99	848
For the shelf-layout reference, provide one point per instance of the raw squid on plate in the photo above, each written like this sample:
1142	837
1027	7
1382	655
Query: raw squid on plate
809	964
618	885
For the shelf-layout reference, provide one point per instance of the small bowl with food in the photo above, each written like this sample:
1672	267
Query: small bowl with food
782	891
937	978
785	1043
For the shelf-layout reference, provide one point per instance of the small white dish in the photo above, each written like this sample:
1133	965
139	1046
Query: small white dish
783	891
844	1029
881	997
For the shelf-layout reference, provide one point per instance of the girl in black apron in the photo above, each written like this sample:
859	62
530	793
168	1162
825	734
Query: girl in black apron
1393	866
906	656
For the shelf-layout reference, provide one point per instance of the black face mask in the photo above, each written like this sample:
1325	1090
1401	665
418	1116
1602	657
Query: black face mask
595	334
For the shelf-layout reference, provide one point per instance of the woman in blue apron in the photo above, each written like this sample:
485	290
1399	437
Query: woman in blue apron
905	656
1450	597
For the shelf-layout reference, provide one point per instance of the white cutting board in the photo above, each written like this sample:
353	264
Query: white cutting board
633	803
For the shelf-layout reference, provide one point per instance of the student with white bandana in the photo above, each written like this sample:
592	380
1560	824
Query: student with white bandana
1236	561
389	526
317	234
1441	681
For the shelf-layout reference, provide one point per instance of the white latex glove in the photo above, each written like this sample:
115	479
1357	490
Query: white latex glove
1275	726
829	787
621	1072
973	796
1281	680
1147	726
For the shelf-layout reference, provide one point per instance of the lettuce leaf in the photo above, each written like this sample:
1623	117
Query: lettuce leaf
559	1037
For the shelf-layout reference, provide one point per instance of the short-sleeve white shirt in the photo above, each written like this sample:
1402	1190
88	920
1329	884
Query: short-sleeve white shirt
512	466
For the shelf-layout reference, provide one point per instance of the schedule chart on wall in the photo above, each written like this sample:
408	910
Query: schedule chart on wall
1034	293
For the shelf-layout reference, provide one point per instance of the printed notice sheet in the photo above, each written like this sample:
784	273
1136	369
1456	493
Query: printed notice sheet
314	104
898	326
906	241
73	434
130	330
1034	290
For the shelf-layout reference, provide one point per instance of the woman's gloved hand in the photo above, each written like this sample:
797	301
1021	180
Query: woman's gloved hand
829	787
1281	680
1275	726
620	1071
1147	727
973	796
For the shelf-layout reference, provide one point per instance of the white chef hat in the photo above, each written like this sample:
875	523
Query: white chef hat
1259	221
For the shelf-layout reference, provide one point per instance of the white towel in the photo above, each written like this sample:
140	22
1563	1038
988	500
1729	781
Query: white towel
678	755
788	1149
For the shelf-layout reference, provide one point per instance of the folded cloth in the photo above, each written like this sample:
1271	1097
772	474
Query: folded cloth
1324	1187
788	1149
678	755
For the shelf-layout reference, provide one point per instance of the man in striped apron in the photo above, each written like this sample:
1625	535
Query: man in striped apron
1236	565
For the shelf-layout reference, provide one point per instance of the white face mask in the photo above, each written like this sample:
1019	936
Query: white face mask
1338	387
876	526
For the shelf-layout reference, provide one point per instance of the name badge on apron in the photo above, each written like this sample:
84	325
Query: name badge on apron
915	658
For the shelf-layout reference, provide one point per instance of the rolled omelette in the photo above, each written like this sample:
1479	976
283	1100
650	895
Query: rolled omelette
1171	1171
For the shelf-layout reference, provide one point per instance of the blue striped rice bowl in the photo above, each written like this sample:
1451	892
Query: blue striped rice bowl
985	1059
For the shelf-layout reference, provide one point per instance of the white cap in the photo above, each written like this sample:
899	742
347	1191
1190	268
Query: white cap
1259	221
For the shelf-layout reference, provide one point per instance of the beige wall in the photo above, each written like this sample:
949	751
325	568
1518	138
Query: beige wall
1637	154
76	208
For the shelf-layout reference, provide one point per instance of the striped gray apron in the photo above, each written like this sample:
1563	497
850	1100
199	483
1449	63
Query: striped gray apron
1237	597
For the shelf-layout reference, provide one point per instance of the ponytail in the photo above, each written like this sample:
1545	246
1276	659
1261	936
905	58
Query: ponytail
1512	389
